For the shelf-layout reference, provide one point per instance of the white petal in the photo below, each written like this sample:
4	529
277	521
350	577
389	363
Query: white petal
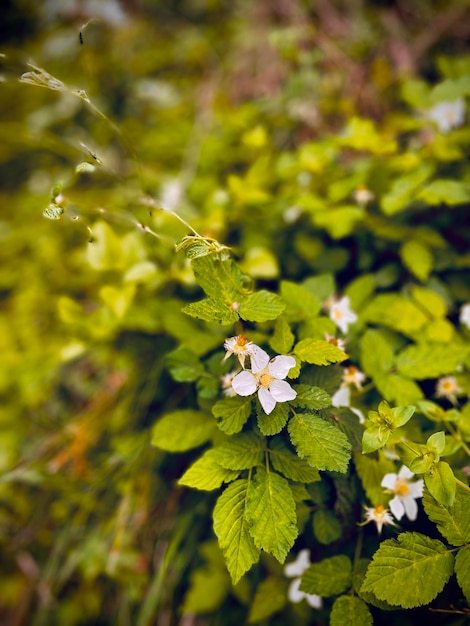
298	567
388	481
244	383
416	489
396	507
405	473
279	366
281	391
342	397
267	401
316	602
411	508
294	594
259	358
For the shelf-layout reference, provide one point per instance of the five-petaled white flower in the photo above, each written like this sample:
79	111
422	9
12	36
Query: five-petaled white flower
380	516
363	196
448	115
464	317
267	377
406	493
448	387
341	313
353	376
297	568
240	346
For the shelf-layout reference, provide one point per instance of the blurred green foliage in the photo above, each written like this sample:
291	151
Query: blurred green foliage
260	124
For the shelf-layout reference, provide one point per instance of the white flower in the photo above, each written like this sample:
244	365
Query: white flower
380	516
266	376
336	341
448	115
363	196
342	398
226	382
465	315
240	346
406	493
171	194
448	387
297	568
341	313
353	376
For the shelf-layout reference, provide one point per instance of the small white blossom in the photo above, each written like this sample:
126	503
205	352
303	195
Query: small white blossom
342	398
465	315
226	382
240	346
448	387
380	516
353	376
362	196
336	341
297	568
341	313
171	195
266	377
448	115
406	493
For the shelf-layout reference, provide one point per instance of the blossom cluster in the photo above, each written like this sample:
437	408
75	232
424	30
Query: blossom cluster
266	375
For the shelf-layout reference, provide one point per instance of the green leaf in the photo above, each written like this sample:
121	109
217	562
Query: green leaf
289	464
314	398
371	472
442	191
231	529
360	290
319	352
300	302
409	571
105	252
283	338
270	597
323	445
209	585
453	522
398	389
184	365
241	452
326	526
273	423
207	474
232	413
322	286
462	570
395	311
440	481
376	353
182	430
417	257
211	310
261	306
405	189
339	221
350	611
433	303
220	279
271	513
430	360
329	577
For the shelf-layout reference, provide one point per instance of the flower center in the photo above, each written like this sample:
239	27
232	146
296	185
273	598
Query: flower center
264	379
337	314
379	512
401	487
241	343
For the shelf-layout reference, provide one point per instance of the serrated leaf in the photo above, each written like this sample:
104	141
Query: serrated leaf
323	445
231	529
232	413
319	352
329	577
182	430
283	338
300	302
271	513
314	398
207	474
289	464
270	597
350	611
394	311
453	522
220	279
211	310
326	526
241	452
445	191
184	365
417	257
398	389
273	423
440	481
462	570
376	353
209	586
409	571
430	360
261	306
